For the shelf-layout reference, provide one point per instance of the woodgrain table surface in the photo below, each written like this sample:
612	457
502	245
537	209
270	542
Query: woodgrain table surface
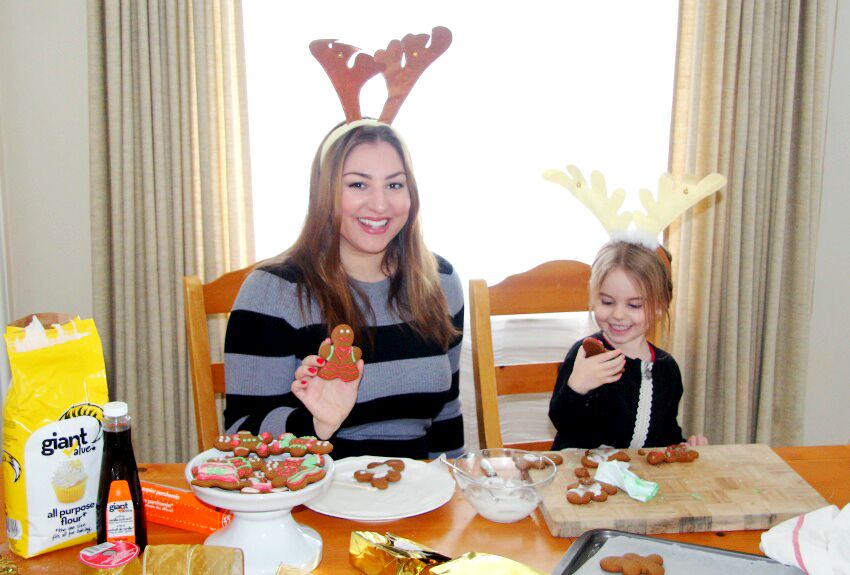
455	528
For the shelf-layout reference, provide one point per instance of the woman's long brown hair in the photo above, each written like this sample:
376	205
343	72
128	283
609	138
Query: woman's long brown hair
415	289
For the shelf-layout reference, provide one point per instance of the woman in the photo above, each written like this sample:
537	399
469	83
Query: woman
360	260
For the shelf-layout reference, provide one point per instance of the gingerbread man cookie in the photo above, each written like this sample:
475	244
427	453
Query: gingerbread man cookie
674	454
341	355
221	475
592	346
381	473
633	564
578	494
243	443
593	457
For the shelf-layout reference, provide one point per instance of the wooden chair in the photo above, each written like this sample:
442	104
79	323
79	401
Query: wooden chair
200	301
558	286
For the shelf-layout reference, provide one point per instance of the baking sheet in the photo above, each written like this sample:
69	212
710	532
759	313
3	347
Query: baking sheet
584	555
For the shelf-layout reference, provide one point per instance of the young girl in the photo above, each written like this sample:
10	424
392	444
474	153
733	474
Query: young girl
360	260
627	396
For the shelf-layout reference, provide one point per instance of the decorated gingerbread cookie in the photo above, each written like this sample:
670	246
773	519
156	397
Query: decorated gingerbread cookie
244	466
243	443
593	457
285	472
381	473
341	355
221	475
534	460
579	494
674	454
633	564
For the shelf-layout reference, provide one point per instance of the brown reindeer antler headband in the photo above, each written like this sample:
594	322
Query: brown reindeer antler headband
401	65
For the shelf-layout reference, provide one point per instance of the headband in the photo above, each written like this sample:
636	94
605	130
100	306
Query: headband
401	64
675	197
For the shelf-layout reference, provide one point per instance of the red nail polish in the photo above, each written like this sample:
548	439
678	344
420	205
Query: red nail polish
312	370
320	361
303	383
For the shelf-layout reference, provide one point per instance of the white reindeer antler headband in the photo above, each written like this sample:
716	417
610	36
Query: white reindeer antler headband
675	197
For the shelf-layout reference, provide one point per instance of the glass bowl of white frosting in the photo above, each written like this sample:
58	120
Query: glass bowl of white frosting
503	485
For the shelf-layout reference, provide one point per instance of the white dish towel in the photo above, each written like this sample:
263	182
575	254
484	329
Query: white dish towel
817	542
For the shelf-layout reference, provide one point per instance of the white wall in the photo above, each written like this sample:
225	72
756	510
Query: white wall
44	146
45	185
828	391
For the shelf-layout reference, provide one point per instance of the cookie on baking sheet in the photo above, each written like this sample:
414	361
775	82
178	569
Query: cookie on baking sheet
633	564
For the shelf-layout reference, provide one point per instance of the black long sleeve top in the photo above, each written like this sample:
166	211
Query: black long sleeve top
607	415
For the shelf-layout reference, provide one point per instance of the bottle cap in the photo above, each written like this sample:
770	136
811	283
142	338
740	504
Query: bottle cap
115	409
109	554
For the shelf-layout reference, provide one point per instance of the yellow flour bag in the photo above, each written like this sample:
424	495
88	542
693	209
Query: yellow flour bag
52	435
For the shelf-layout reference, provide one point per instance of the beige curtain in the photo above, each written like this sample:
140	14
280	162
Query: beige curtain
170	193
749	102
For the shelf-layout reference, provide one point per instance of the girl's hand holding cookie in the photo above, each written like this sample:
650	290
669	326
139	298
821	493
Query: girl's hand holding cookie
330	401
697	440
592	372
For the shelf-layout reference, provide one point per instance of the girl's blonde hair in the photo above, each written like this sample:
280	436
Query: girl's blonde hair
415	289
646	268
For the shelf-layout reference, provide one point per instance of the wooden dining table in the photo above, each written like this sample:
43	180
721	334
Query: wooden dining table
455	528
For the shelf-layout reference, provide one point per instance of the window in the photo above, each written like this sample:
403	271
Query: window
541	85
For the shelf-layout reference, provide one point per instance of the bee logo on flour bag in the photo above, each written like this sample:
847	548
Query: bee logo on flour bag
53	435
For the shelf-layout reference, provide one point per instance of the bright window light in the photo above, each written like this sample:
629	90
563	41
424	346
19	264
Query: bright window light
540	85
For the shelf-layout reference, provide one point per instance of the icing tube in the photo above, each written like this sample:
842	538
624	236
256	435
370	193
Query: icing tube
617	473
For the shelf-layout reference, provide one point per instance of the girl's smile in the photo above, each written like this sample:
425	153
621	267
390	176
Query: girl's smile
620	312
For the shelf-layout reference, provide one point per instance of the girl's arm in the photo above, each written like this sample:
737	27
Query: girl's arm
575	416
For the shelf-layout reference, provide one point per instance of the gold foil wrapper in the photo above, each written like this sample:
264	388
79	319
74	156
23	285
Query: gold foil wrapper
474	563
388	554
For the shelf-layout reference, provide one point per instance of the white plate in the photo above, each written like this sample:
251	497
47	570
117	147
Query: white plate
423	487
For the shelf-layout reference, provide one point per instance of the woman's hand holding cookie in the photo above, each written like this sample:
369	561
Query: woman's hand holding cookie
592	372
330	401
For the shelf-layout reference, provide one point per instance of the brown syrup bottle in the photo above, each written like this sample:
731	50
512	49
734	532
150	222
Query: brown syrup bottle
120	508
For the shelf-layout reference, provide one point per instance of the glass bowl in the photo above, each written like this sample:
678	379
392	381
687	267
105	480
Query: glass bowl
503	485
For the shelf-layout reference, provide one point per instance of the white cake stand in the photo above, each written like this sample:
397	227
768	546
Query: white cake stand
262	524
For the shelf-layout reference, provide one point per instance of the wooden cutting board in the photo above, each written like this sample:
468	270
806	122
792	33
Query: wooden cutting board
730	487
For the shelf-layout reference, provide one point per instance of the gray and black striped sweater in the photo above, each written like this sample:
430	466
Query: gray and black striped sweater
408	403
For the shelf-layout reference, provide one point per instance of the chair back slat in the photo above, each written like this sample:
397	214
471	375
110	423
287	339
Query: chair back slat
553	287
544	445
200	301
220	293
528	378
218	378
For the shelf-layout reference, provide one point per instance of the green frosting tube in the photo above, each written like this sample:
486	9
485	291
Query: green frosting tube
638	488
617	473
